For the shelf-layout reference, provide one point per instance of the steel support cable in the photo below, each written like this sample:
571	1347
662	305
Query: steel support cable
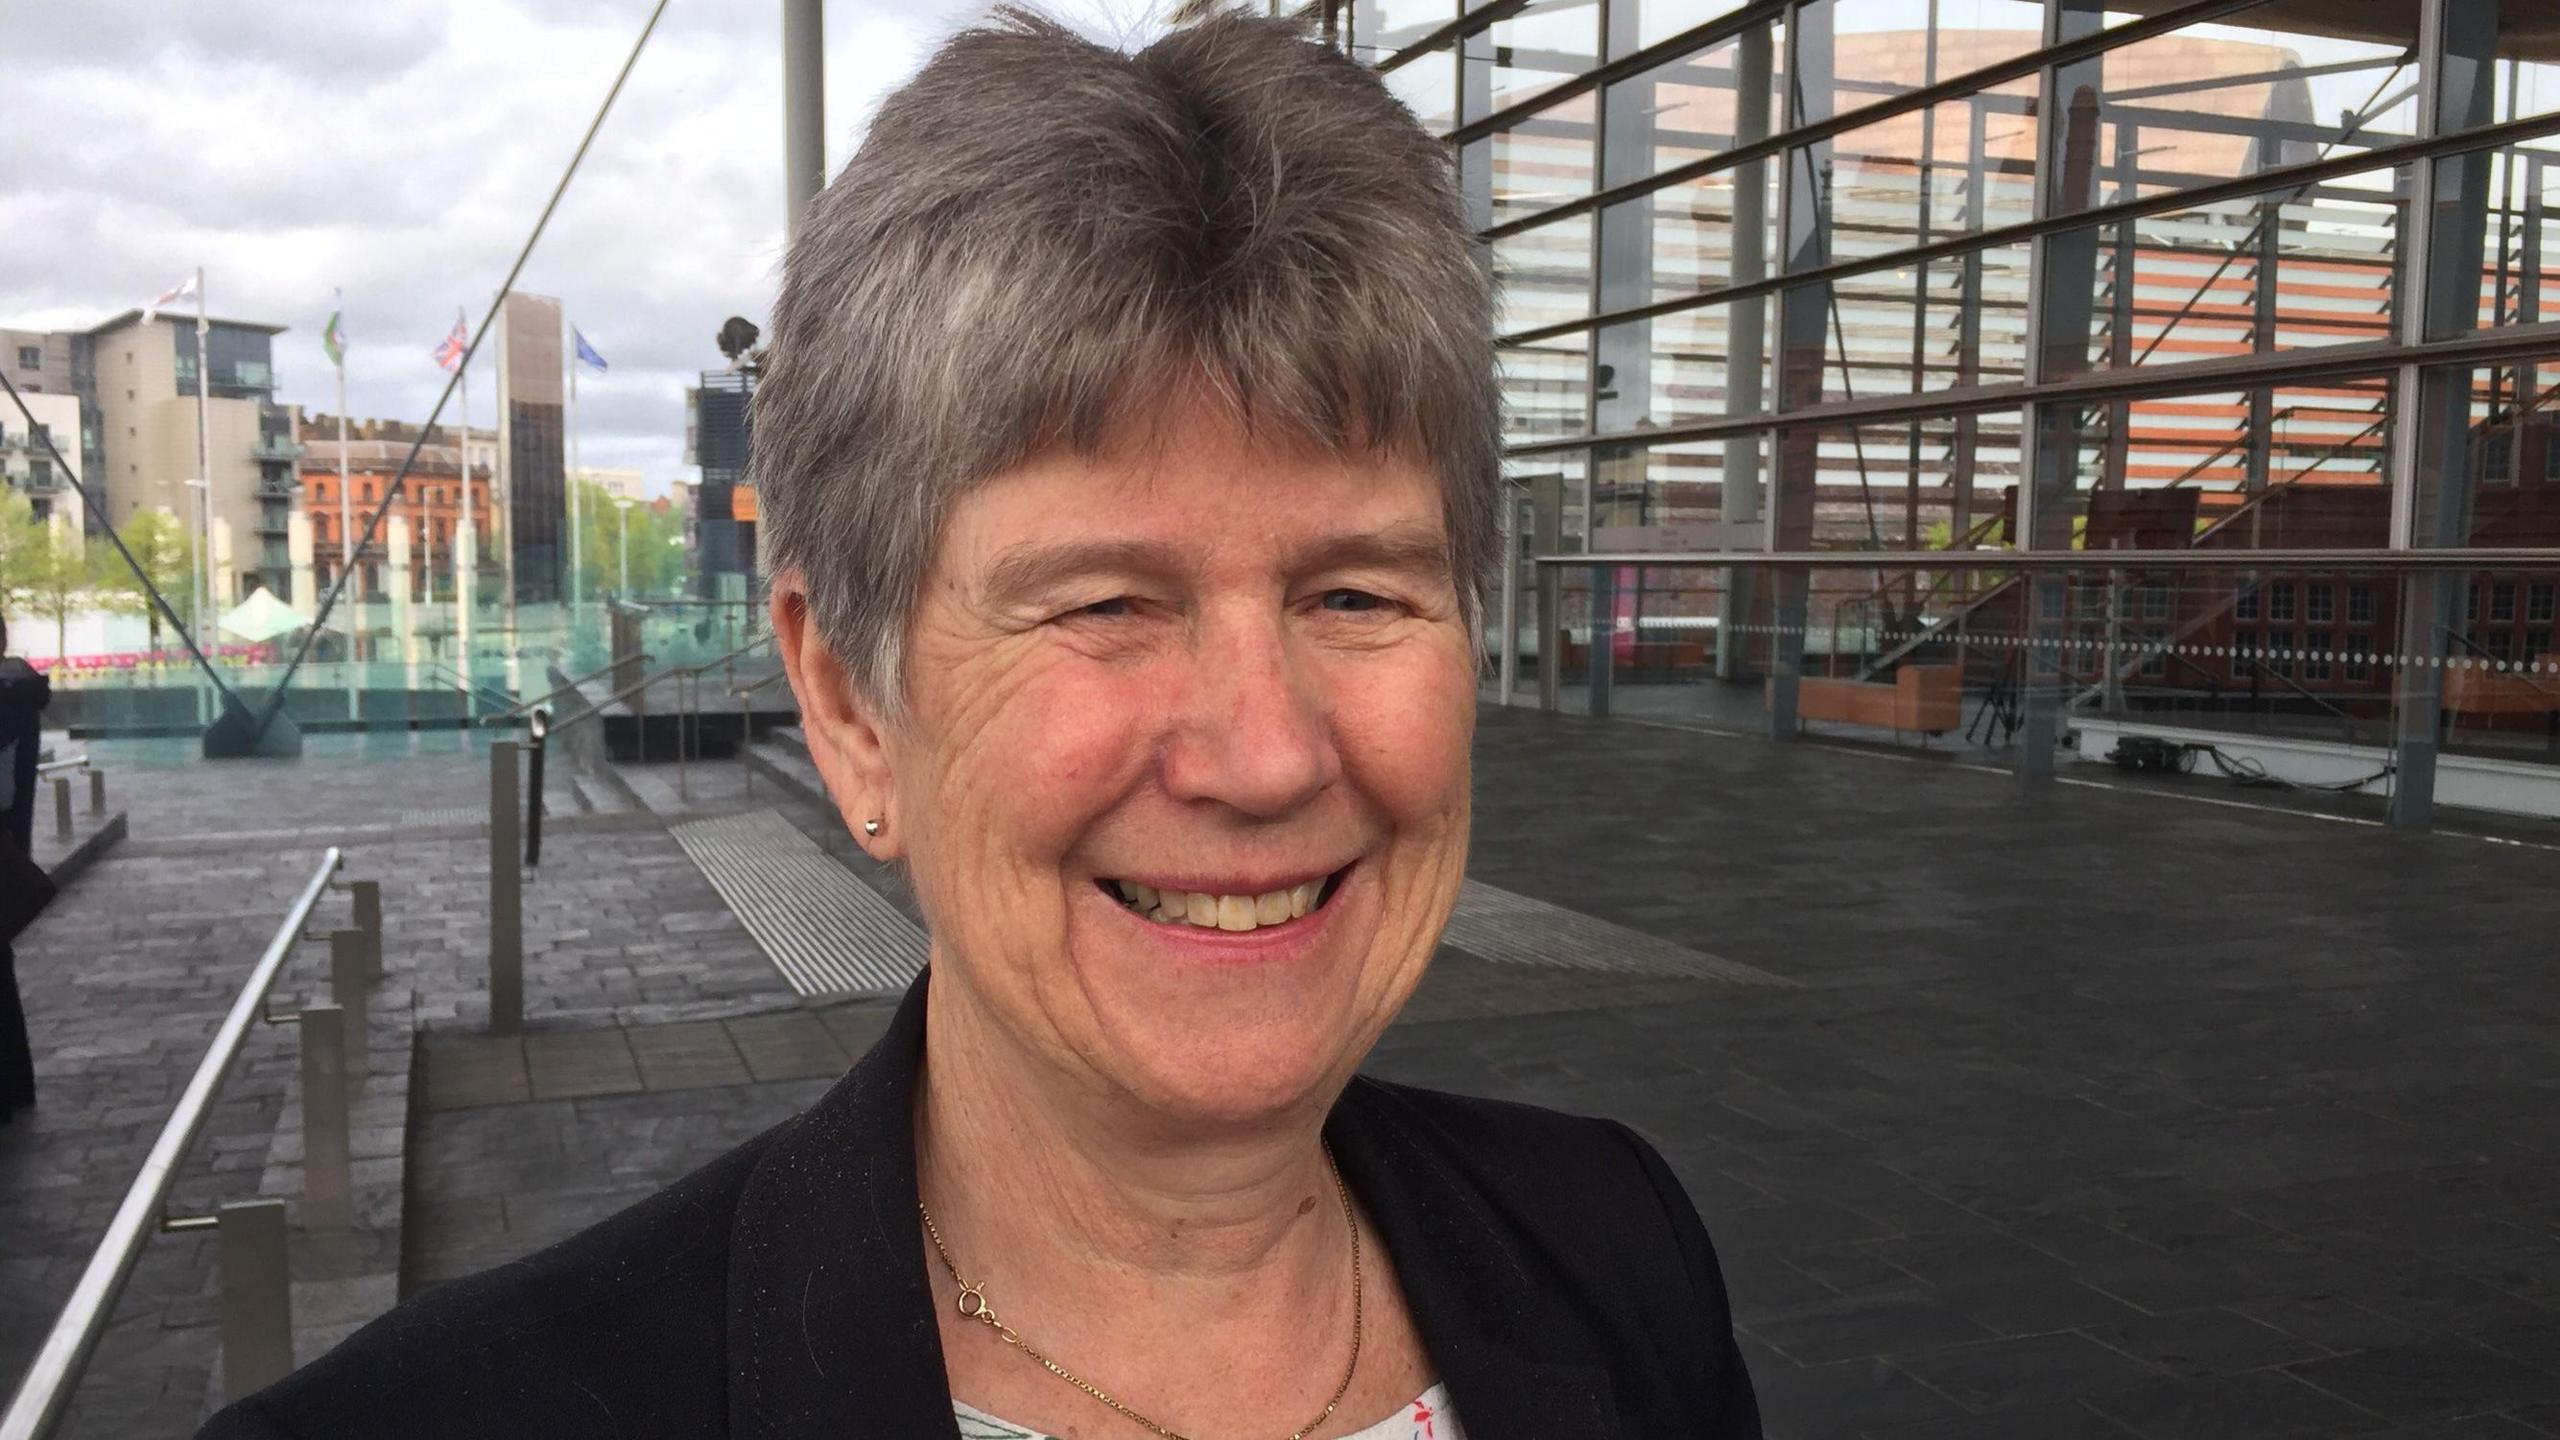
96	506
391	492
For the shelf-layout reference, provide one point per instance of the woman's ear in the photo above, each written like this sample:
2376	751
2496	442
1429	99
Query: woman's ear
845	736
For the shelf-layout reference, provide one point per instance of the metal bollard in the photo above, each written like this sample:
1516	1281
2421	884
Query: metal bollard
538	726
367	895
257	1297
97	792
684	782
506	895
746	735
62	807
327	1175
347	985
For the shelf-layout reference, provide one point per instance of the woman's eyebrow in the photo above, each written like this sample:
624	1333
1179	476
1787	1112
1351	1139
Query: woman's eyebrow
1036	567
1411	547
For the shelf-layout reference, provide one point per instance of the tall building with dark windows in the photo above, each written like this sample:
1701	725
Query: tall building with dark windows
724	529
532	448
1849	332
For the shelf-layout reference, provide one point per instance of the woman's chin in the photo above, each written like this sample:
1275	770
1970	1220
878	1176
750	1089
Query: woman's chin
1205	1073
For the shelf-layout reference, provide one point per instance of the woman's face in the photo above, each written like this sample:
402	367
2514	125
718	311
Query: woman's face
1214	667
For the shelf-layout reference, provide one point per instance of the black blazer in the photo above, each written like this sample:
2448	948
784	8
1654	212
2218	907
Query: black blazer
1562	1282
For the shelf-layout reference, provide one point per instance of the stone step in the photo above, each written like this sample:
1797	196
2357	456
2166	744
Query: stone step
785	762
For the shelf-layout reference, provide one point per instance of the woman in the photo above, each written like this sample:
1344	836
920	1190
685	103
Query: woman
24	890
1127	444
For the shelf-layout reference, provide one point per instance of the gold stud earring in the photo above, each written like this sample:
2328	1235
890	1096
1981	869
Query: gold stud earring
871	828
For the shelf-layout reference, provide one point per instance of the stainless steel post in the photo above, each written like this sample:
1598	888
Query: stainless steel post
746	732
367	895
97	792
257	1297
506	895
347	984
684	779
327	1176
62	807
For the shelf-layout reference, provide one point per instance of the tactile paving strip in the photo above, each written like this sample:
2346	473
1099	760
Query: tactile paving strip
1495	924
826	931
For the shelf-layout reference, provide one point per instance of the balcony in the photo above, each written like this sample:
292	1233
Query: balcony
276	447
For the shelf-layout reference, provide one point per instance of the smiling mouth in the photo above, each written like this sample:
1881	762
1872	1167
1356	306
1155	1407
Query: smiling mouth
1232	913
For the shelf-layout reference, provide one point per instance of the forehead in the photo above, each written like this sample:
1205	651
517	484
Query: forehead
1200	486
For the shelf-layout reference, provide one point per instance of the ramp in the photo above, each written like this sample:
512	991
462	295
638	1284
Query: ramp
1495	924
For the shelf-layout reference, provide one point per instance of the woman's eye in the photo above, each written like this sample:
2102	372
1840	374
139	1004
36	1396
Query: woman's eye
1351	601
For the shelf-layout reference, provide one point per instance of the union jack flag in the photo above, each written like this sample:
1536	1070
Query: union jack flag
449	354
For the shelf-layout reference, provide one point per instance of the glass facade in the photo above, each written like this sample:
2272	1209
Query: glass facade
1848	329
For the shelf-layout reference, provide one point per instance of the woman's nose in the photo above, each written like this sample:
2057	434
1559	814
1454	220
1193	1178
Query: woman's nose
1253	728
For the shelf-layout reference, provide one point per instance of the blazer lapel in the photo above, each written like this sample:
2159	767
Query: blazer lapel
1515	1366
831	1323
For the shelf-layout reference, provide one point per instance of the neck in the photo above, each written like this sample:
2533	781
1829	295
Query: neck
1047	1175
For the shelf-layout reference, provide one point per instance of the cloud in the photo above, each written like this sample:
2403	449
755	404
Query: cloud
400	150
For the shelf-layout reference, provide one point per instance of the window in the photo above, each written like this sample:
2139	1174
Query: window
2280	648
2471	606
2360	604
2537	602
2244	653
30	357
2155	602
2537	644
2359	657
2500	645
2320	604
2280	600
2502	601
2155	647
2245	605
2315	659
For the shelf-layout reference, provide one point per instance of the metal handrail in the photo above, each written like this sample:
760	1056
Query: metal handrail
73	762
523	706
473	688
44	1395
645	681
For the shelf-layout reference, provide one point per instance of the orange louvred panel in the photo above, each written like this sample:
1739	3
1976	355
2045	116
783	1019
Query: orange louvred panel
742	503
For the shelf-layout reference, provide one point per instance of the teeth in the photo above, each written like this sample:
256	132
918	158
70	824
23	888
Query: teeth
1220	912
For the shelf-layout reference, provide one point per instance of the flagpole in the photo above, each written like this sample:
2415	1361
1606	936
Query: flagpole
464	561
204	472
575	477
346	511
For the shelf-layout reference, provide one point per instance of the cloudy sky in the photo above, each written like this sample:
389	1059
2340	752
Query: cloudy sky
401	149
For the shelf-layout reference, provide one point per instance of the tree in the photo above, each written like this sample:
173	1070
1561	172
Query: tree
656	542
165	553
51	571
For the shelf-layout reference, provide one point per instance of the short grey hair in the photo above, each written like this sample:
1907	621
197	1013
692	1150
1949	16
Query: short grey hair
1040	234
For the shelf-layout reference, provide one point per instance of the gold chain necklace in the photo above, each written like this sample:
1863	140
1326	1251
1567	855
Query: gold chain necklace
974	1306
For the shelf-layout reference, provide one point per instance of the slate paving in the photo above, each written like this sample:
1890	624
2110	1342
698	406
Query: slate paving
126	977
2092	1113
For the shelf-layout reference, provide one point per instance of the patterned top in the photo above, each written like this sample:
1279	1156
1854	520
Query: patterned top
1427	1418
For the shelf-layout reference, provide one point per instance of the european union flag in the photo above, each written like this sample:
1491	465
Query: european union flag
586	352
